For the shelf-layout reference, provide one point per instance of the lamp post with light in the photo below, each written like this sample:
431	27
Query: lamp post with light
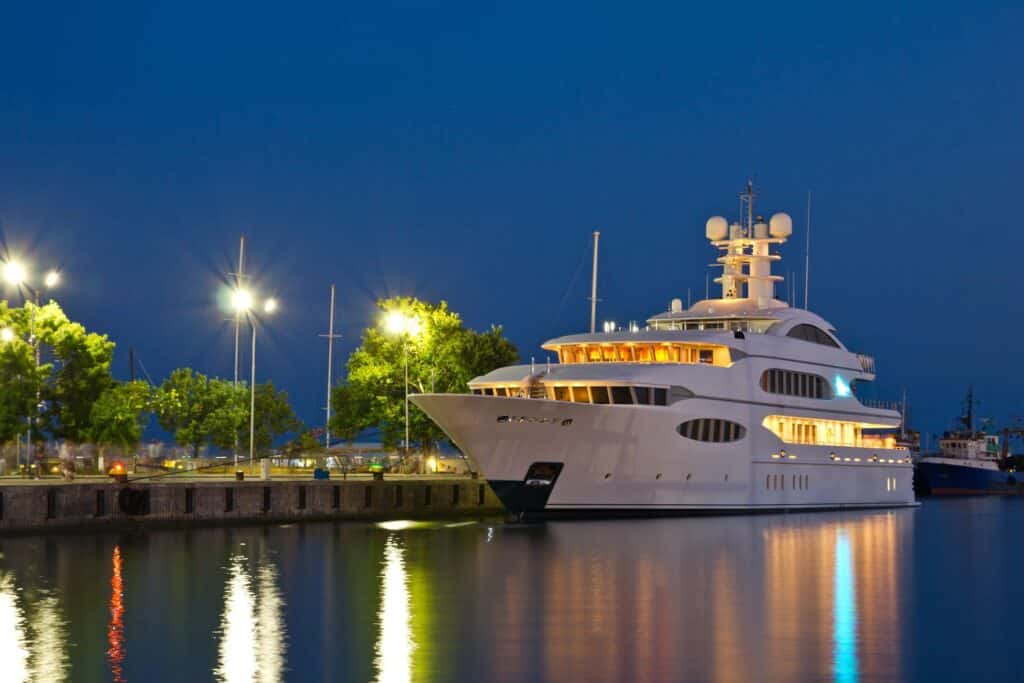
15	273
244	303
403	326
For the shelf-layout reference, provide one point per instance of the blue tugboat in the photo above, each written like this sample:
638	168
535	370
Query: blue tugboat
969	462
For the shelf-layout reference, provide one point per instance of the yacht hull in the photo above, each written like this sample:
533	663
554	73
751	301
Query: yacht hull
630	460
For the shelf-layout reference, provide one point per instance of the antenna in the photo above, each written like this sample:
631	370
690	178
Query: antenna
807	253
593	287
707	285
330	367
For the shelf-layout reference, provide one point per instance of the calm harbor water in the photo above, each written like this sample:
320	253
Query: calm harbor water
925	594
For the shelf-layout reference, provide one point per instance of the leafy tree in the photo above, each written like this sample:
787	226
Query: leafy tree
274	417
74	369
119	416
18	377
200	410
443	356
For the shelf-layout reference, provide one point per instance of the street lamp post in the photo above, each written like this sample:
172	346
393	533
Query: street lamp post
403	326
243	302
16	274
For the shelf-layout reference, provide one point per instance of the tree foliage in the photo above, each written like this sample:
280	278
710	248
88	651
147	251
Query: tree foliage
442	358
73	373
200	410
119	416
274	418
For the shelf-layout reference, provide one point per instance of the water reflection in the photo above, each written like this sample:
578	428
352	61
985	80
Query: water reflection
252	643
395	643
115	632
844	613
33	634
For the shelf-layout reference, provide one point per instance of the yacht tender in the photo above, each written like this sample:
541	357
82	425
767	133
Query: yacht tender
741	403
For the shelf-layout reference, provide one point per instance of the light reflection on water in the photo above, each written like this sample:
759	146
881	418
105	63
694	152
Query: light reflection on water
395	645
844	613
252	633
829	597
115	632
33	634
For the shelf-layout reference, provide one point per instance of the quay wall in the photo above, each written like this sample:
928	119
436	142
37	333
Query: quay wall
35	508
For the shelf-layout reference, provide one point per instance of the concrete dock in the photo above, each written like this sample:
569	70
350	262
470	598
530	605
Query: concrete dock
35	506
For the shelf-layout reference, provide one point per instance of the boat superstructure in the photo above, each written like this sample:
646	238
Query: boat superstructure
969	461
737	403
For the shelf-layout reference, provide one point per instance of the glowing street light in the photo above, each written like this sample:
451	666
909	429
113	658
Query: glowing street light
16	274
404	326
6	335
244	303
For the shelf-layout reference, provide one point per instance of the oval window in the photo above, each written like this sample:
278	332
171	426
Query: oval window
712	430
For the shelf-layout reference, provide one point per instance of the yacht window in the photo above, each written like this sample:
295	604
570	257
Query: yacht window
660	396
579	395
489	392
621	395
661	354
642	395
500	391
707	356
711	430
594	354
599	394
643	353
608	352
791	383
562	394
812	334
477	392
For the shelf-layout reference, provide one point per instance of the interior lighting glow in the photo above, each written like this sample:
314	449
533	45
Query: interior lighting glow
842	387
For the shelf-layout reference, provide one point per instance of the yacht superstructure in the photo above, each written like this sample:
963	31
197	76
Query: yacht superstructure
740	403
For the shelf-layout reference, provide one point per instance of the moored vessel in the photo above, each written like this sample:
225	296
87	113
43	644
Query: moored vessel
970	461
741	403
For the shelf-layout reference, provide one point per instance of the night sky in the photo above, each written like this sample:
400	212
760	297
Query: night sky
466	152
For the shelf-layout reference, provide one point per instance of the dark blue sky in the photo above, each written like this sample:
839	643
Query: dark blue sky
466	152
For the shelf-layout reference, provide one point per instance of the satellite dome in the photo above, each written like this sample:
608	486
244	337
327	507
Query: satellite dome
716	228
781	225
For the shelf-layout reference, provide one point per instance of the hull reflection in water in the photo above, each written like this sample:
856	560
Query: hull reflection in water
33	635
395	643
252	644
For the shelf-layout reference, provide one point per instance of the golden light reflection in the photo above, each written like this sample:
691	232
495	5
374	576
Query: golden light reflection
252	644
395	643
33	635
115	631
13	645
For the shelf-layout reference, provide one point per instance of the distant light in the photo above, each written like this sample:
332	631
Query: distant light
241	300
52	279
609	326
270	306
15	273
842	388
7	335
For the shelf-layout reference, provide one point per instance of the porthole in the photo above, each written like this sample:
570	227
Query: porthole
711	430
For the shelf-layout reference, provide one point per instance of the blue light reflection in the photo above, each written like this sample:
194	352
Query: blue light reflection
844	614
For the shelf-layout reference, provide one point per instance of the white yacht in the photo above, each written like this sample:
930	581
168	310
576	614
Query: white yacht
736	404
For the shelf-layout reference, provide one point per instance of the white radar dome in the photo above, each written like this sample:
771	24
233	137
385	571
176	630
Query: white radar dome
716	228
781	225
